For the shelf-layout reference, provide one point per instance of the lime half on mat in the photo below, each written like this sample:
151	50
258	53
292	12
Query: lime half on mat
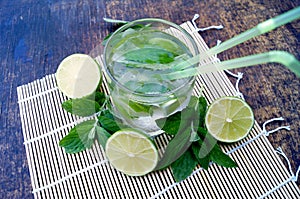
78	75
131	152
229	119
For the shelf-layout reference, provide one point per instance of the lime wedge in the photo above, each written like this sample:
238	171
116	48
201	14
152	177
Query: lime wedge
131	152
78	75
229	119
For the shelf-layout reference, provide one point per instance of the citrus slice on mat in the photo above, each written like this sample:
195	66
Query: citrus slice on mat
131	152
229	119
78	75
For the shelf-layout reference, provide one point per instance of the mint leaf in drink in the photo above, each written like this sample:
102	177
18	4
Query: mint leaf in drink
81	106
220	158
150	56
139	107
102	136
80	137
184	166
108	121
152	88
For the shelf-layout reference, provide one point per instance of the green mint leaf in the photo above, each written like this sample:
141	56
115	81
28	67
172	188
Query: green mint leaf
183	166
176	147
152	88
102	136
80	137
202	132
220	158
150	56
202	110
139	107
203	161
207	144
108	121
170	124
181	119
81	107
100	98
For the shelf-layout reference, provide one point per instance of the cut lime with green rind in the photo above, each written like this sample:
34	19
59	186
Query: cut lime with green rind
229	119
132	152
78	75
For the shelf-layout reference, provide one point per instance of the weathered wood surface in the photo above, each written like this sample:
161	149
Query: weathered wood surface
36	35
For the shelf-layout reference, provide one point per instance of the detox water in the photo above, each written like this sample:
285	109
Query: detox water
135	61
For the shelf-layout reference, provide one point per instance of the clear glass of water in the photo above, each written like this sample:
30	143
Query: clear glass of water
134	57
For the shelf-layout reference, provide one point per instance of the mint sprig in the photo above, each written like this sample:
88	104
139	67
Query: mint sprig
80	137
184	166
83	135
184	154
183	136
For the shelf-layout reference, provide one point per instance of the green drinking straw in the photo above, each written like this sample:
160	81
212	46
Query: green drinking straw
281	57
261	28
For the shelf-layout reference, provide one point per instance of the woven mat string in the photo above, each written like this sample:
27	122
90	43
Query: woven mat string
293	177
263	132
197	29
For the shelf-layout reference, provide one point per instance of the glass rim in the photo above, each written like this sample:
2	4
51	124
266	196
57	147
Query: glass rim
129	24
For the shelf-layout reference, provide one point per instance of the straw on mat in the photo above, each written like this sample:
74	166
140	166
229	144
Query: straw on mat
55	174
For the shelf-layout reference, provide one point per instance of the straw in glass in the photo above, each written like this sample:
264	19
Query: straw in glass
281	57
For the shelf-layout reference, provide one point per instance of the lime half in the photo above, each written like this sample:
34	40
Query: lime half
78	75
131	152
229	119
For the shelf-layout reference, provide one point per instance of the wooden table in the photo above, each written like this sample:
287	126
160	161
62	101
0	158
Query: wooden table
37	35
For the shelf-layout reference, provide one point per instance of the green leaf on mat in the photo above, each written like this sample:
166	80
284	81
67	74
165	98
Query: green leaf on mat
170	124
81	106
184	166
176	147
80	137
202	110
203	161
184	136
102	136
108	121
220	158
100	98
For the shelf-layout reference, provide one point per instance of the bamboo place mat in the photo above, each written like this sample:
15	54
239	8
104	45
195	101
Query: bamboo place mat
55	174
